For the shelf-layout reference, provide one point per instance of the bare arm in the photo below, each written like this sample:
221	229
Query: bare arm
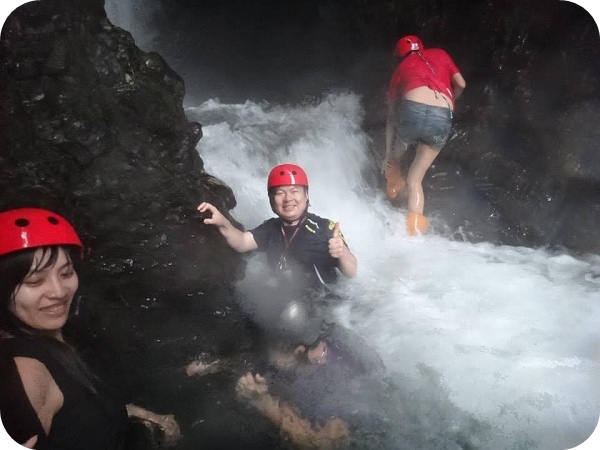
301	431
41	389
47	399
240	241
166	423
458	85
30	442
338	249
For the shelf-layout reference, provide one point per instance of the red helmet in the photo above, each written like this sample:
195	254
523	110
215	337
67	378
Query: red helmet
285	175
33	227
408	44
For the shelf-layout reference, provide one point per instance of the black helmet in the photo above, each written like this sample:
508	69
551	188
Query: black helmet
297	323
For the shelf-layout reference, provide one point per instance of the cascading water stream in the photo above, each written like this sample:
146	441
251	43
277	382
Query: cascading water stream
509	332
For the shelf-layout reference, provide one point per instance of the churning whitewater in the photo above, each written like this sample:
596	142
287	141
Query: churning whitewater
506	334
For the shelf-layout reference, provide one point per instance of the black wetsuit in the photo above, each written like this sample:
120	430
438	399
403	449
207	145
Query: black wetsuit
302	250
87	420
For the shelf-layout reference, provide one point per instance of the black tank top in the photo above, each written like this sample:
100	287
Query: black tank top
87	420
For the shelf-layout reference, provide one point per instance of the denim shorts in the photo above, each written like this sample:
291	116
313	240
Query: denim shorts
423	123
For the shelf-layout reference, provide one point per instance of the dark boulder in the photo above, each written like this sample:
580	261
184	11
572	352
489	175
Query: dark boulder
95	128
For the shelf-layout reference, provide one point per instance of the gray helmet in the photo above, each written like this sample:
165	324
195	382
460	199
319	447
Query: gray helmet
297	323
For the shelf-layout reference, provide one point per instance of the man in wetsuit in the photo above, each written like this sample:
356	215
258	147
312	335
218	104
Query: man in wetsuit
421	96
310	248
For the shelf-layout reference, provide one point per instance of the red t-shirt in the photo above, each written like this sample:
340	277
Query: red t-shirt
432	68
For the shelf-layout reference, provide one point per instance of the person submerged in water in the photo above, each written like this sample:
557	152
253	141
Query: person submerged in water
310	248
322	384
49	397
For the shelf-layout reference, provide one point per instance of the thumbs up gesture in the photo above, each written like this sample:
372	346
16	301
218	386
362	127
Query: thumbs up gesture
337	246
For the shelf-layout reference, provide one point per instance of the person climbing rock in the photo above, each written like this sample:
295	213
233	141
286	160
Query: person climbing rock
420	97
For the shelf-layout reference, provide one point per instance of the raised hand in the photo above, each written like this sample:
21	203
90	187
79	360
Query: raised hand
251	387
211	215
337	246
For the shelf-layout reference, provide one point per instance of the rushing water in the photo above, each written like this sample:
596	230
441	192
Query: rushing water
510	334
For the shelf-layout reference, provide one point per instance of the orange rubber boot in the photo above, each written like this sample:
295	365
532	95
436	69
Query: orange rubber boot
416	223
395	181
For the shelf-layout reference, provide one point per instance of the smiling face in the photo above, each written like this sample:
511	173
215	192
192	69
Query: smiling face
43	299
289	202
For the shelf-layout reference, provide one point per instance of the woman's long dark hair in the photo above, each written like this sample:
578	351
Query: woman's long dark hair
14	267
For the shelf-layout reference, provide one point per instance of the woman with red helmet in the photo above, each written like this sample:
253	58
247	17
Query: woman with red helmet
53	399
312	248
421	96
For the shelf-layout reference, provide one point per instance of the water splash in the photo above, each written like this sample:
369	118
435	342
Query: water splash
511	332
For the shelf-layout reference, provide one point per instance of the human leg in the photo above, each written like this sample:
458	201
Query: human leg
395	182
425	155
430	126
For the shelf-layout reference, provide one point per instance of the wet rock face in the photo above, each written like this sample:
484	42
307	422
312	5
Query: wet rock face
94	128
524	125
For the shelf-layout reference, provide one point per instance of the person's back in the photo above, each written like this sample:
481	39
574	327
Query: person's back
430	68
420	102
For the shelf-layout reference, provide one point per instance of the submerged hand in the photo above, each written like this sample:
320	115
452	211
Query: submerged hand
333	433
169	427
165	422
251	387
200	368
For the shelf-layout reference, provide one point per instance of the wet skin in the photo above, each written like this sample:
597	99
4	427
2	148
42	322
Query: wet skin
290	202
43	300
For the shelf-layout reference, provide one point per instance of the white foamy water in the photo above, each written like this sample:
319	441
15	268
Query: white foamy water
511	332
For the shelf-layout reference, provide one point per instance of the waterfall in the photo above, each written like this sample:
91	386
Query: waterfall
510	332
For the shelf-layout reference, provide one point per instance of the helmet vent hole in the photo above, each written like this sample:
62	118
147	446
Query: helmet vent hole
294	172
53	220
21	222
